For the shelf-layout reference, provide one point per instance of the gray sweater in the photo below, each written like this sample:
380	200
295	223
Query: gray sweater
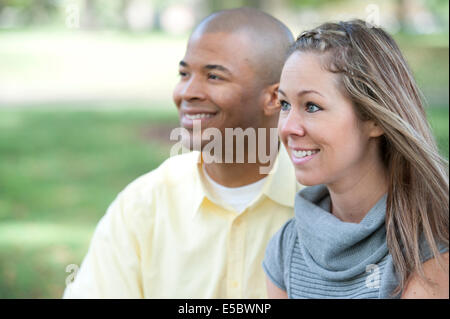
315	255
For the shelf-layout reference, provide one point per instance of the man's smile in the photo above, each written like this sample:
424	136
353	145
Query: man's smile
189	115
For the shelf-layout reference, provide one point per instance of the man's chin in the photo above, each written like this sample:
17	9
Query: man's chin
193	143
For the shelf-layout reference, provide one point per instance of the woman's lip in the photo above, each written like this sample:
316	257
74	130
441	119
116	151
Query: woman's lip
302	160
303	149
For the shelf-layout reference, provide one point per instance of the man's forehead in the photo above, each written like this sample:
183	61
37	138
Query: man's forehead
221	39
218	49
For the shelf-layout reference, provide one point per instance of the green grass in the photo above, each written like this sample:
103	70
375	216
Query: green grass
59	171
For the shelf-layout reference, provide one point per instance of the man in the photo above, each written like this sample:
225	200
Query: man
197	226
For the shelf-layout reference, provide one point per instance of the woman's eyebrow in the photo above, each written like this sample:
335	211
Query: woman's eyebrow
302	92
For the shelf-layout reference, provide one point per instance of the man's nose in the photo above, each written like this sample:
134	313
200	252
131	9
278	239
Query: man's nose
193	89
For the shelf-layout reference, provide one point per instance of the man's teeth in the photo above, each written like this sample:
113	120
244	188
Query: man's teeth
198	116
303	153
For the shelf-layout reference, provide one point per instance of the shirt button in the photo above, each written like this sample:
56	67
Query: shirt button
235	284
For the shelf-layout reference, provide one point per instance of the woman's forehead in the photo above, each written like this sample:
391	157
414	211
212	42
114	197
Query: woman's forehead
308	71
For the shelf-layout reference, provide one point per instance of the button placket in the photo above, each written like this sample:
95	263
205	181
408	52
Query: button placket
236	257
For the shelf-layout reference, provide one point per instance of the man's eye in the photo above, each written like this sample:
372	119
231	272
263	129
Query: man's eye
214	77
312	108
285	106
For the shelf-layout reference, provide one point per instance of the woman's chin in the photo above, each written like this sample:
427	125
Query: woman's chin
305	180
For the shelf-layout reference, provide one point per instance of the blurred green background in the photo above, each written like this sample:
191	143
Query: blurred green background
85	108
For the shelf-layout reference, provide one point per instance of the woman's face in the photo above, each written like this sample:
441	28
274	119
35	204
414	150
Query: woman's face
326	141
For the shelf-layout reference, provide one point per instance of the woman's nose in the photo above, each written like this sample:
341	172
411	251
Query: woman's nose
291	124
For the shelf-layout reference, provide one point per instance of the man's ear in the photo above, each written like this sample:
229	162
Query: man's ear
271	106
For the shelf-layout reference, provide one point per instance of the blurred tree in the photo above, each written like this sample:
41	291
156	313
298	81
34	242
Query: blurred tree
437	8
312	3
89	15
440	9
33	12
401	14
104	14
216	5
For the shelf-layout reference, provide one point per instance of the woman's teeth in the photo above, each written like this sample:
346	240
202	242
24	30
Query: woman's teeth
198	116
301	154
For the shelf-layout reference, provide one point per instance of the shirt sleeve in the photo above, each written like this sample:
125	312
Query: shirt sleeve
276	256
111	268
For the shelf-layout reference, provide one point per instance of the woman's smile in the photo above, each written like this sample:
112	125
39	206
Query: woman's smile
302	156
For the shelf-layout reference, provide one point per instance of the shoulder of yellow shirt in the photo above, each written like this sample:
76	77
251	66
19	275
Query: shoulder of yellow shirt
140	193
172	171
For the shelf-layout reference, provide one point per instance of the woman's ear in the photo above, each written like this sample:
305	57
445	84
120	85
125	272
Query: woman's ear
271	106
374	129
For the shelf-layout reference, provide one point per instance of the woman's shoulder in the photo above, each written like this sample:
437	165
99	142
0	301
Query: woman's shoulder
281	243
284	237
278	252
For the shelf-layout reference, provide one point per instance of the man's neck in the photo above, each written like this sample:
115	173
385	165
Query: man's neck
237	174
234	174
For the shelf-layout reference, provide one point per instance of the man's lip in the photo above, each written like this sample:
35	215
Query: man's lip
188	122
197	111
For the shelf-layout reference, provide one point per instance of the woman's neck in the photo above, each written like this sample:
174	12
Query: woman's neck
353	196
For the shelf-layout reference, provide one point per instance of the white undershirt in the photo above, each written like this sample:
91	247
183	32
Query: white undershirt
237	197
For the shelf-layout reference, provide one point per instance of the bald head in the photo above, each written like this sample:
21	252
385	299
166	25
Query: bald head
268	37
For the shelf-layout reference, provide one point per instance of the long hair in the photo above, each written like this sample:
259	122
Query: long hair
376	77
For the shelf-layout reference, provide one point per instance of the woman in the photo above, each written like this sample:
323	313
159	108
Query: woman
374	223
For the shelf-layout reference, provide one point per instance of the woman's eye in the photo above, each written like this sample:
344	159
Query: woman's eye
285	106
182	74
312	108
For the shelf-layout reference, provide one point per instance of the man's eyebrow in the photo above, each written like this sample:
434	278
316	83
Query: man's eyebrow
209	67
216	67
302	92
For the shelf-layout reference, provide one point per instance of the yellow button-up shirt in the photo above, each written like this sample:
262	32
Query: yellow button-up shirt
165	237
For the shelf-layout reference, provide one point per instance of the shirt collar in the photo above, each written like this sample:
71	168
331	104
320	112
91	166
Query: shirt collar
199	189
281	185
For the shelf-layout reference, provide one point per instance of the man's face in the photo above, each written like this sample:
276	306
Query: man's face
217	83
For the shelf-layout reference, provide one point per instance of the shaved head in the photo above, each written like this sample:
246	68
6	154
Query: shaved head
269	38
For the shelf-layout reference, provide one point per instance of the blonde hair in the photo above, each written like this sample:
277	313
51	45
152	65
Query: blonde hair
377	79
